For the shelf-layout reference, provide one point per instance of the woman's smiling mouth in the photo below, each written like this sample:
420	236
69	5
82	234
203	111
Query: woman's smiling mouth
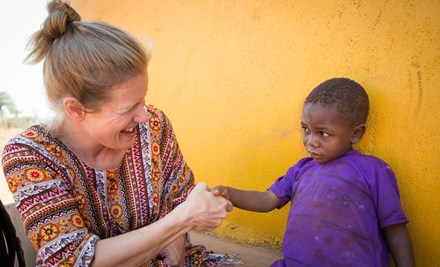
130	130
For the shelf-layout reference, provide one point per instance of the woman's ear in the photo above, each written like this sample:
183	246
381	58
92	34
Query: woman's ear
358	132
74	109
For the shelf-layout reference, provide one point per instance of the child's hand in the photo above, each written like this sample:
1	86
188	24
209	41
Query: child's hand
221	191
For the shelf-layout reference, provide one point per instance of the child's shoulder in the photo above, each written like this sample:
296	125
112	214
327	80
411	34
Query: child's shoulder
302	162
366	161
367	157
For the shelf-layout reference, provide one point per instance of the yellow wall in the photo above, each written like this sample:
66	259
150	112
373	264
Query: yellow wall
232	76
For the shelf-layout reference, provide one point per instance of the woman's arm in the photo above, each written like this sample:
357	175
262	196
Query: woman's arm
201	211
247	199
38	194
174	253
399	244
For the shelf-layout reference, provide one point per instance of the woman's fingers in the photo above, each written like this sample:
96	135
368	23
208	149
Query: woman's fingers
206	209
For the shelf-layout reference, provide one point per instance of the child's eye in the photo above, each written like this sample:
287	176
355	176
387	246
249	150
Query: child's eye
305	129
325	134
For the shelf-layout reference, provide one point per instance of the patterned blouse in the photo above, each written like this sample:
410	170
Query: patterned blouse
66	206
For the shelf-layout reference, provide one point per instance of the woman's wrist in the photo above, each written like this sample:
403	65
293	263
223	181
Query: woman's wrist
183	213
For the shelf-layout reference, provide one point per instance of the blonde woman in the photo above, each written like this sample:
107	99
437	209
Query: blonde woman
105	183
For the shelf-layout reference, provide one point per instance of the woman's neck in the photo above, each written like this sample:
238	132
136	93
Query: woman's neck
92	154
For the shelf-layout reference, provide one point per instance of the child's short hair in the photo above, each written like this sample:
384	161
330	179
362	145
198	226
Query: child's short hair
348	97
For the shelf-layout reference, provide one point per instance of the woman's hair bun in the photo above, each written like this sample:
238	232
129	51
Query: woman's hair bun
61	15
60	18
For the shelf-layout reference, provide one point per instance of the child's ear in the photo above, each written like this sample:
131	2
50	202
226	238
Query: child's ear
358	132
73	108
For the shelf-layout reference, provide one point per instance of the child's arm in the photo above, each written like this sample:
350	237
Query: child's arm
399	243
249	200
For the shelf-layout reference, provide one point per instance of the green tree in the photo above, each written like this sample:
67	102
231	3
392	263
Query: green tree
7	102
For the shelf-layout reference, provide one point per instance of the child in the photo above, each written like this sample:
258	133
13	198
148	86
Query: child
345	206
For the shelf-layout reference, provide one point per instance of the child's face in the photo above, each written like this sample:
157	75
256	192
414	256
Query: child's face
326	136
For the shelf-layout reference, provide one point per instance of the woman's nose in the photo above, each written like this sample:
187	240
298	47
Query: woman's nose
142	115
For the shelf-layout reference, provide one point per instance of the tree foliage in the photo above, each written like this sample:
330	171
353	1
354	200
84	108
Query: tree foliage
6	102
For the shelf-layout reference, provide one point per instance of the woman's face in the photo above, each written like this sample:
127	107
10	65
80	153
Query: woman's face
114	126
326	135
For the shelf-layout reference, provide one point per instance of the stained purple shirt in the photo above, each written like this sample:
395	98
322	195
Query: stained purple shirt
338	209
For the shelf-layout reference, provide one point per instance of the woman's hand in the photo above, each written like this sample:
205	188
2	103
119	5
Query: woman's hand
174	254
205	210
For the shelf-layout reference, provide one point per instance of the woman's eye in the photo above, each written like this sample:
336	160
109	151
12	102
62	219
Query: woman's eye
324	134
305	129
131	109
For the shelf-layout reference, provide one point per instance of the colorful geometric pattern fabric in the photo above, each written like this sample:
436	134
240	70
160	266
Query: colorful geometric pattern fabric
67	206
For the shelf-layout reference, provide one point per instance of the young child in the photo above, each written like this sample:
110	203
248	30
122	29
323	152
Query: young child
345	206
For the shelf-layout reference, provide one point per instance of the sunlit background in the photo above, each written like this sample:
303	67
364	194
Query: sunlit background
19	19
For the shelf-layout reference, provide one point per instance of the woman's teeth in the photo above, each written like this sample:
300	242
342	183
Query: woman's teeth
129	130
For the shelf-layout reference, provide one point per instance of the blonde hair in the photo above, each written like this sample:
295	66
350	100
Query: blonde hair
84	60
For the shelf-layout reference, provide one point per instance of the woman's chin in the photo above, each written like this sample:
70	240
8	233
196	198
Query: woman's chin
127	141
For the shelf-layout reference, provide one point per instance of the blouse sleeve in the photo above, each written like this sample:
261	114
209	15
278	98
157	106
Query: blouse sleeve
43	196
176	177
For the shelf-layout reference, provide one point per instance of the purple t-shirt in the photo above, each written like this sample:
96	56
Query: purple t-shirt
338	209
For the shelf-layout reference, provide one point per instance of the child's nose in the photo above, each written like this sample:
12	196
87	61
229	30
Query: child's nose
312	141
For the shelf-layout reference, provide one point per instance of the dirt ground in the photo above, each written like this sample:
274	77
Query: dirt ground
247	255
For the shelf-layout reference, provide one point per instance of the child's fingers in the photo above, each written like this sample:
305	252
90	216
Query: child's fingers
215	191
218	190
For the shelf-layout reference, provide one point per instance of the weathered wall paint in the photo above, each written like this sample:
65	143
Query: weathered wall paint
232	76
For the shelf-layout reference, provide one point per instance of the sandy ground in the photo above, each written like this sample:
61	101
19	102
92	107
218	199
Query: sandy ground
249	256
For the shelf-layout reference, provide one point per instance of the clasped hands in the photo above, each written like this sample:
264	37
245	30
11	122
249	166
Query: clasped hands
206	210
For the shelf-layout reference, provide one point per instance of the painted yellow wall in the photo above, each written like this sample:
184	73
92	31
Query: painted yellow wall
232	76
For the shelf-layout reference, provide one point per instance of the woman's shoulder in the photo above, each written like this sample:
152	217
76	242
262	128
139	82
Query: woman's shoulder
34	140
30	133
25	146
158	119
35	133
154	111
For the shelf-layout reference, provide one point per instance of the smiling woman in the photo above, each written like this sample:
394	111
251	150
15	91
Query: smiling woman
109	130
105	183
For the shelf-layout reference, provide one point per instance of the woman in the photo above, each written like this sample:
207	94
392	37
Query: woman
105	183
